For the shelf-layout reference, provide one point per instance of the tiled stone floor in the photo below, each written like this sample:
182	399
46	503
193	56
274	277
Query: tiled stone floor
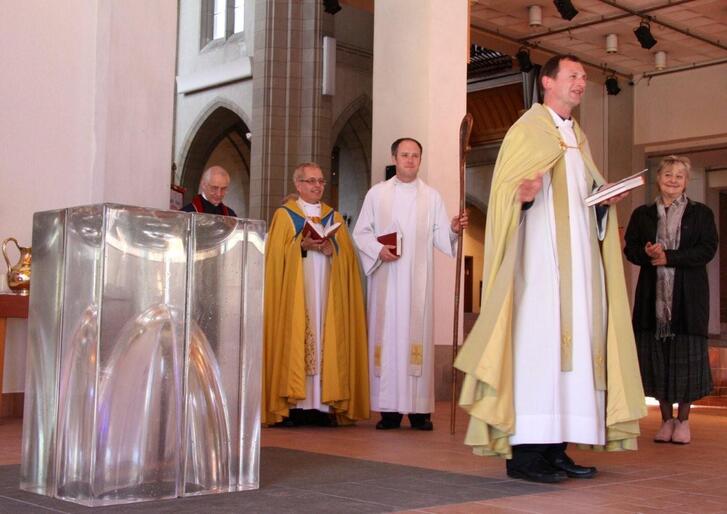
656	478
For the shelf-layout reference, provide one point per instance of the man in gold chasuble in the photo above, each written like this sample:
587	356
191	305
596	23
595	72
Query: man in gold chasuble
315	365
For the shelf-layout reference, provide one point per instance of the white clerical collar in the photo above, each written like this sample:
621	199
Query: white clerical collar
411	184
310	209
306	204
558	120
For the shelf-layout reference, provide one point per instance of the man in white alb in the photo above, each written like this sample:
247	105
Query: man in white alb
401	348
552	351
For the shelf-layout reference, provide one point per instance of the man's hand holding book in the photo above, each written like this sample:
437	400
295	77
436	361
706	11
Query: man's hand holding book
391	250
316	238
611	193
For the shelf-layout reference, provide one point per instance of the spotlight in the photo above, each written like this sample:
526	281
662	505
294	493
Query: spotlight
643	34
331	6
612	85
523	59
566	9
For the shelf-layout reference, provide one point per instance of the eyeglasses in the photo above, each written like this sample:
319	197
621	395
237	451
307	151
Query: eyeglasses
313	181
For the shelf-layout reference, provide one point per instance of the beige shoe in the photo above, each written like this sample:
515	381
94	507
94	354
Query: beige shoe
681	433
664	434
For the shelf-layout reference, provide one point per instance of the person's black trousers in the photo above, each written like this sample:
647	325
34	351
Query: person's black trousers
394	418
524	454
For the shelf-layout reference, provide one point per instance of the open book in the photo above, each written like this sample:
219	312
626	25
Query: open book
318	232
392	239
609	191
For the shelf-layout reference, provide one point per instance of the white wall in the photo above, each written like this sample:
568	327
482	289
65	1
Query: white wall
86	100
136	47
681	106
48	110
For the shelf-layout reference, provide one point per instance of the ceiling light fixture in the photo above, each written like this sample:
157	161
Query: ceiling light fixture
535	16
612	85
523	60
660	60
611	43
643	34
566	9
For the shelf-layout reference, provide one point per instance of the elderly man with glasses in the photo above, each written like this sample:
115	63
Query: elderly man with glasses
315	361
212	190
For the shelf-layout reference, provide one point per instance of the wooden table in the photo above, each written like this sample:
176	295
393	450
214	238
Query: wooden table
11	306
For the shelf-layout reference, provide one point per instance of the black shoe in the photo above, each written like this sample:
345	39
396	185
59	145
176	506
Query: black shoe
285	423
389	420
421	421
573	470
386	425
326	419
426	425
538	470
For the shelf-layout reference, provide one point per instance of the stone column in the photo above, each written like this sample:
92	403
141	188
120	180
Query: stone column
291	117
419	90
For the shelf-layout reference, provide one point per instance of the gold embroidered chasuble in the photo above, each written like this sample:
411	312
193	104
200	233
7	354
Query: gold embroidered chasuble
344	360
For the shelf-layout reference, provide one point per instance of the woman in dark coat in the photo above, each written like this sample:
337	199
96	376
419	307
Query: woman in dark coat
672	240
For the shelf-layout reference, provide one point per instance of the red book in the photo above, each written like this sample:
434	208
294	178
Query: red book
391	239
317	232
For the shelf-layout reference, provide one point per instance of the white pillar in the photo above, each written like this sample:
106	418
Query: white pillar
133	103
419	91
87	101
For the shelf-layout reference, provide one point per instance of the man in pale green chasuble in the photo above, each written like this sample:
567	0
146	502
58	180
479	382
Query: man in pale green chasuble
551	359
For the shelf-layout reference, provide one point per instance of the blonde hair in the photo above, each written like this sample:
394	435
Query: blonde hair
672	160
300	170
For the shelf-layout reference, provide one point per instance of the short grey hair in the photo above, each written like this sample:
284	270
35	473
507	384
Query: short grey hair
213	170
300	170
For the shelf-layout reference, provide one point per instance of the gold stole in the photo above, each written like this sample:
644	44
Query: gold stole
419	278
563	242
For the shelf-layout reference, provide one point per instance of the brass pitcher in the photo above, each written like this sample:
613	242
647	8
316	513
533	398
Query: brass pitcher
18	275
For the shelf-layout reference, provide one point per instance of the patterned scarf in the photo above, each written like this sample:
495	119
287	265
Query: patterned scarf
668	233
